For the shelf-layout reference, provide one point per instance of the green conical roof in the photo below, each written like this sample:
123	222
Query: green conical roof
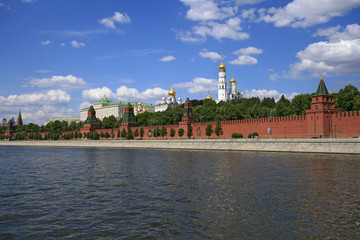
322	90
129	105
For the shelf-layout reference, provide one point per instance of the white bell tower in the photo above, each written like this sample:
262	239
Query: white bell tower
222	88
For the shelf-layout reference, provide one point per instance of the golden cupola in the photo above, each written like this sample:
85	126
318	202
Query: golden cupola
222	67
208	97
172	92
232	80
140	104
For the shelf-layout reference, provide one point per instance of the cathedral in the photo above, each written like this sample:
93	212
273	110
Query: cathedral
170	102
223	93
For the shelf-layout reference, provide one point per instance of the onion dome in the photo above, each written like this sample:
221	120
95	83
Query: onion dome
208	97
104	100
172	92
222	67
140	104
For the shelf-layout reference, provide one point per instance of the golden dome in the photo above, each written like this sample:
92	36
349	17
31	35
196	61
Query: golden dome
140	104
172	92
232	80
208	97
104	99
222	67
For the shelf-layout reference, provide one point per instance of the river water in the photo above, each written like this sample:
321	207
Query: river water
94	193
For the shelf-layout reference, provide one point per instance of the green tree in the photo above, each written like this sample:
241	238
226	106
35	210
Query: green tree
141	132
123	133
156	132
118	134
76	135
172	132
209	130
136	133
189	131
300	104
218	129
130	135
109	122
181	132
107	135
348	98
102	135
163	131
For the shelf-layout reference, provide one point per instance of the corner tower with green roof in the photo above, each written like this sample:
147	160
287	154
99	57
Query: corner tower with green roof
319	116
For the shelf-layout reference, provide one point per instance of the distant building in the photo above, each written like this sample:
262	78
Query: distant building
223	94
66	119
106	108
170	102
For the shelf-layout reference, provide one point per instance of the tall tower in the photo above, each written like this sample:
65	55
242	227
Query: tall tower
232	89
319	116
19	121
222	89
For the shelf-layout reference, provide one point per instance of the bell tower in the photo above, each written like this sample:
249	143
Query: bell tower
222	88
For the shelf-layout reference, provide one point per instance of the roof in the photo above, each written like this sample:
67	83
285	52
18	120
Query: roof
124	104
322	90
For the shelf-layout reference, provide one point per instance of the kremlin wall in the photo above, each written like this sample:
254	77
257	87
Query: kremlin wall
321	121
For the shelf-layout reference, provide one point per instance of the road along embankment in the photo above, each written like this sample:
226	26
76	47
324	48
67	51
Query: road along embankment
350	145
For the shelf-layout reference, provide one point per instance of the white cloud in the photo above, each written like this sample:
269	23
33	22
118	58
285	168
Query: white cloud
244	60
96	94
244	2
230	29
341	58
216	19
306	13
118	17
124	93
189	37
47	42
205	10
51	97
84	105
214	56
268	93
62	44
351	32
199	85
167	58
68	81
248	51
76	44
29	1
43	71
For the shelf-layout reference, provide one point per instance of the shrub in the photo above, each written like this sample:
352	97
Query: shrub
236	135
253	135
107	135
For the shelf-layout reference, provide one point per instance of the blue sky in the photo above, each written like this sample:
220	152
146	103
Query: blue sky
59	56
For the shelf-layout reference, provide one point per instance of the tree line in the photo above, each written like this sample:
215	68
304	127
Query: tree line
347	99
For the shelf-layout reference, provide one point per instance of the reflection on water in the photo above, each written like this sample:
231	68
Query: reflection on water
85	193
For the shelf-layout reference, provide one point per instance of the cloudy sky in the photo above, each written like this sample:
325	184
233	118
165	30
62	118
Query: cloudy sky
59	56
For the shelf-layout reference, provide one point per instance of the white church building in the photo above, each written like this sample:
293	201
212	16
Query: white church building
223	93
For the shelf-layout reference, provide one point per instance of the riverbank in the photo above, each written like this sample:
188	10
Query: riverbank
351	146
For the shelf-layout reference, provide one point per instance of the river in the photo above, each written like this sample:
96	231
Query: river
94	193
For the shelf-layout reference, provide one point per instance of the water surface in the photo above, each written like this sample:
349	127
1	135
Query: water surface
93	193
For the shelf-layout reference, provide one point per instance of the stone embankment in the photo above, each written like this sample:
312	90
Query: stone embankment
266	145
